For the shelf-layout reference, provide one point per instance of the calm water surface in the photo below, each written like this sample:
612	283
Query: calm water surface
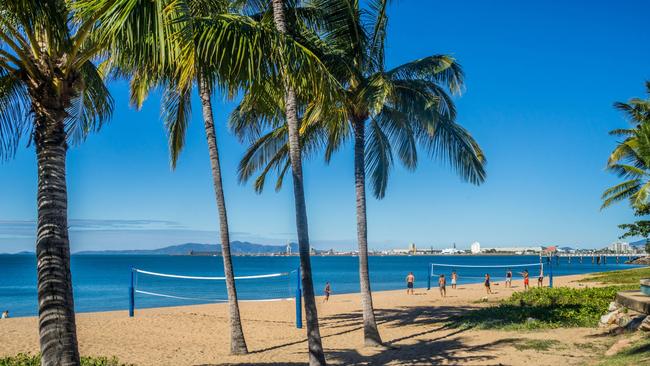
101	281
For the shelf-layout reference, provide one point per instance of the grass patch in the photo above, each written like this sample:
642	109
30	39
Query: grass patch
621	277
537	344
540	308
35	360
638	354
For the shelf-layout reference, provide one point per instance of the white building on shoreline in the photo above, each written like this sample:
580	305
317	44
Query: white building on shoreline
620	247
514	250
475	248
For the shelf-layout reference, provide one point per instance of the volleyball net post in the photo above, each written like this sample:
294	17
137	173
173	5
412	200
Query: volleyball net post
430	271
132	294
550	274
298	299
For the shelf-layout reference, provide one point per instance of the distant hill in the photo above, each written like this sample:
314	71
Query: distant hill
236	247
638	244
24	252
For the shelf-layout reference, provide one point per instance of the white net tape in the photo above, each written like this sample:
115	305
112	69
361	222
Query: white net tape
208	289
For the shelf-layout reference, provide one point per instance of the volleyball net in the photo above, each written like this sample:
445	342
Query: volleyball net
150	289
466	273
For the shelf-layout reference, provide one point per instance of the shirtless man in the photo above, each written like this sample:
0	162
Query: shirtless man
410	280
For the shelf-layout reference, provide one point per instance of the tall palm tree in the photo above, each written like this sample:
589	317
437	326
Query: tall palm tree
177	110
52	94
316	354
406	107
631	157
204	43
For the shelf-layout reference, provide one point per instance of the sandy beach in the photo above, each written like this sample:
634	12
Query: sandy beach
413	327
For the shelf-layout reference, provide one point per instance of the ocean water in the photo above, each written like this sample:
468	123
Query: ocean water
101	282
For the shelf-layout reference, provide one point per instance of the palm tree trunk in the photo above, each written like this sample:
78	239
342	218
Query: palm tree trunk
316	354
370	332
237	341
56	316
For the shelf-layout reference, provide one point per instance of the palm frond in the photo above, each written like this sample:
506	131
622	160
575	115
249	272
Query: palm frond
620	192
439	69
453	145
176	114
379	159
14	113
91	108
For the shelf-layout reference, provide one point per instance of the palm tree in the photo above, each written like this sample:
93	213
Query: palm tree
316	354
52	94
176	113
631	157
184	43
406	107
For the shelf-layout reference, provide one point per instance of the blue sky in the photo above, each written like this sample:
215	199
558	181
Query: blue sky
541	77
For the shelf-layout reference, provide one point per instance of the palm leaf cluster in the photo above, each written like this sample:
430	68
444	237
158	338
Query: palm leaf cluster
405	109
47	61
630	159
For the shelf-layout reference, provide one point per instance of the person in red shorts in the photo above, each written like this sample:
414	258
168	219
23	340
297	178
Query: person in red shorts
526	280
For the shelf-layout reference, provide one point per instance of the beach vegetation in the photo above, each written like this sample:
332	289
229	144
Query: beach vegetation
637	354
35	360
630	160
621	277
540	308
387	113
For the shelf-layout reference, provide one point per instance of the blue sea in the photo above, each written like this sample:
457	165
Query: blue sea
101	282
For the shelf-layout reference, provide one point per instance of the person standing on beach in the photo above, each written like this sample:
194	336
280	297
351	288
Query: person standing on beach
410	280
509	278
526	281
487	284
442	283
5	314
540	279
454	278
328	291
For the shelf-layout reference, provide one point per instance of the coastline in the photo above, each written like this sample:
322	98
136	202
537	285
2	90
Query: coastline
198	334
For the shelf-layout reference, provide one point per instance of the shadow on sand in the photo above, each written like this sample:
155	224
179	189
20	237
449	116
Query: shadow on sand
448	347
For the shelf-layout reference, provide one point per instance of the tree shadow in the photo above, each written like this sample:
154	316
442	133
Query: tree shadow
397	317
639	349
256	364
429	352
448	347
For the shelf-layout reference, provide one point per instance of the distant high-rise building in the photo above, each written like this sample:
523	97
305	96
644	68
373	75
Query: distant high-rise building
475	248
620	247
412	248
288	251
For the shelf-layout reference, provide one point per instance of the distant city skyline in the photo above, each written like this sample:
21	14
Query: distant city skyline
541	78
144	234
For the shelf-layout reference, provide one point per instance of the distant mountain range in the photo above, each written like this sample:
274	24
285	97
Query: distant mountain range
639	243
236	247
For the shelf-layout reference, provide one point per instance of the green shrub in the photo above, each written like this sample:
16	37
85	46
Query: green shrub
543	308
35	360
